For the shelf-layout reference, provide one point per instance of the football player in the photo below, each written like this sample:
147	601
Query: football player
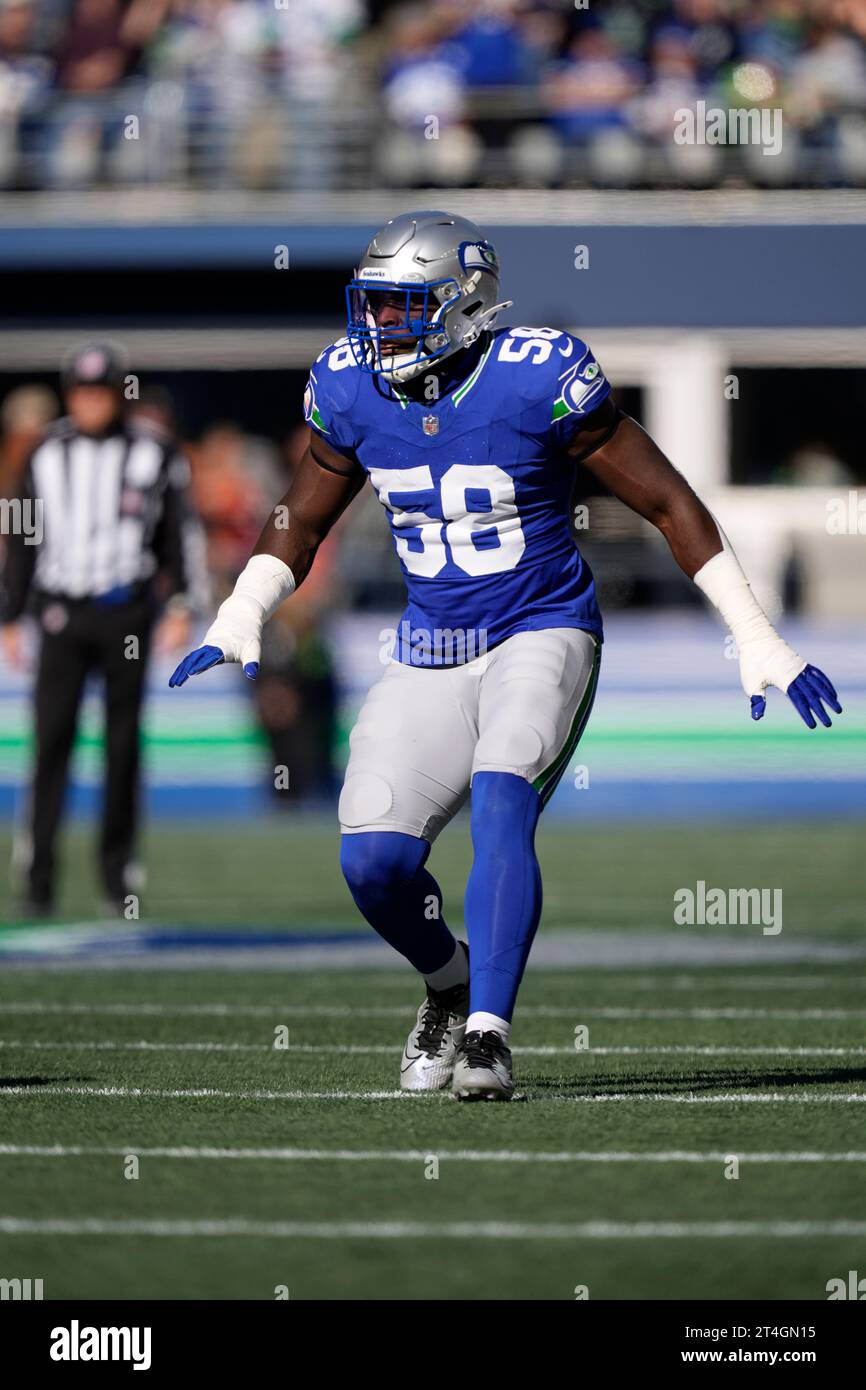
469	434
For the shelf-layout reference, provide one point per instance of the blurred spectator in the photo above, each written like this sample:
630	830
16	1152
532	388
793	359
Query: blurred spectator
489	44
827	100
155	409
426	101
711	29
24	416
587	97
93	56
235	480
674	85
97	52
587	93
25	76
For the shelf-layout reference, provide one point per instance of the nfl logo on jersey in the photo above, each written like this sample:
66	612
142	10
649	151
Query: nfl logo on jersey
431	424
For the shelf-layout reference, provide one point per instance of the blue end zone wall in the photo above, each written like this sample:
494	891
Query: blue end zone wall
639	276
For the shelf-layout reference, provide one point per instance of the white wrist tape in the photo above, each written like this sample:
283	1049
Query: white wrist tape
266	580
261	588
765	658
726	586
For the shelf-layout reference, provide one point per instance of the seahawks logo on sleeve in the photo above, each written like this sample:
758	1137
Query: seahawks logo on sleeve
581	388
311	410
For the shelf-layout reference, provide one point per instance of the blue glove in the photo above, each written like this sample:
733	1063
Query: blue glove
202	659
806	693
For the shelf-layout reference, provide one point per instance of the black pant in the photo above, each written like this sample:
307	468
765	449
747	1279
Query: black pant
92	638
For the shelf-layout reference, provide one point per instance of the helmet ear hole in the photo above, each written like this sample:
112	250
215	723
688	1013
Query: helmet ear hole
472	308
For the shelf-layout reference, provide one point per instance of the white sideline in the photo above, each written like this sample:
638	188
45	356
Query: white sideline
382	1050
208	1092
451	1230
288	1155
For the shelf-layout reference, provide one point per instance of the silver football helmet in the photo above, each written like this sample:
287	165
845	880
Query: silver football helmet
441	274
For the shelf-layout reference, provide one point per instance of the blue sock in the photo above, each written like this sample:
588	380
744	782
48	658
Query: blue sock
503	895
399	898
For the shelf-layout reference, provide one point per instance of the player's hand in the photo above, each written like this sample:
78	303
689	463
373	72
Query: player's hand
766	662
236	635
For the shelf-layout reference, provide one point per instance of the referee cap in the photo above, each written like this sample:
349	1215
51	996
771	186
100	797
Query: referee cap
94	364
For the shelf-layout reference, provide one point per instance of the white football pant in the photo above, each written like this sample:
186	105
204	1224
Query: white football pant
423	733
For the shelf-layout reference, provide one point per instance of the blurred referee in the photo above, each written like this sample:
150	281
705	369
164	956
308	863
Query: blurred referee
117	545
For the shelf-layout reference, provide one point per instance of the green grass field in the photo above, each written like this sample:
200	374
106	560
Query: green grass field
287	873
610	1174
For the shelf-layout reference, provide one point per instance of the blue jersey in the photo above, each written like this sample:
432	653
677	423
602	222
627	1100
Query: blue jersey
476	487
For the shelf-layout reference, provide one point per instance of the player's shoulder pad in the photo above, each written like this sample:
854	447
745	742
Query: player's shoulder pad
550	365
333	385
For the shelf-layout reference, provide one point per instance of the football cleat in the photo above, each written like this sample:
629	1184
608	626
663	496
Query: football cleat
482	1070
428	1057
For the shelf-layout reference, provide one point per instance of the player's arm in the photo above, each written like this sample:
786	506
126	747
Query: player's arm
324	484
632	466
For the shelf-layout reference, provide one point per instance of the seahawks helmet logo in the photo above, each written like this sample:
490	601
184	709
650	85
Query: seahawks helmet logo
478	255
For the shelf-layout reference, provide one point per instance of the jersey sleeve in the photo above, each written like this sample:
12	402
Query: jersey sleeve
329	397
580	389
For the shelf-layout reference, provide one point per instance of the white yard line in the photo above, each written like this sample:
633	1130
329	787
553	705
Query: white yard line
206	1092
579	1011
281	1010
111	1045
289	1155
731	982
195	1093
383	1050
451	1230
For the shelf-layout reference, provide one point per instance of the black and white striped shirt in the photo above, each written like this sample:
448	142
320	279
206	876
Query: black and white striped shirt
110	512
